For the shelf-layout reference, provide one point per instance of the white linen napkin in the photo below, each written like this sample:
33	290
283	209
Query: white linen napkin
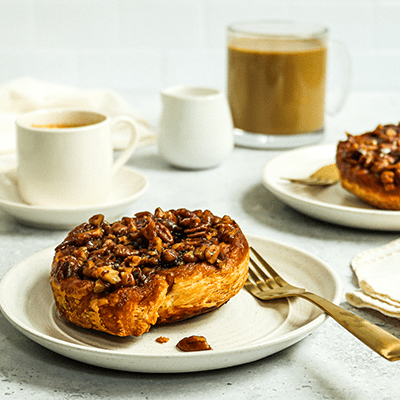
378	274
27	94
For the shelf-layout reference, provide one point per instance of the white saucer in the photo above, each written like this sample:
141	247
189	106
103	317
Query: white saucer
128	185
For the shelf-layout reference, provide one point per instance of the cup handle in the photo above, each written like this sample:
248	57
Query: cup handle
127	153
339	77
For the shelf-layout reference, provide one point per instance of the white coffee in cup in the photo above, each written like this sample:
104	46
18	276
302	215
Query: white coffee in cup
277	74
65	157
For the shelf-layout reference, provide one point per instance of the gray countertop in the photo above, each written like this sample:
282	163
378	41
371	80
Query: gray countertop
328	364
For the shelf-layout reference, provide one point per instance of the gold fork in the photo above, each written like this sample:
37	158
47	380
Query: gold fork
265	283
324	176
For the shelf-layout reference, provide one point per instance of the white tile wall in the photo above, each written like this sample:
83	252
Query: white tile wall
133	46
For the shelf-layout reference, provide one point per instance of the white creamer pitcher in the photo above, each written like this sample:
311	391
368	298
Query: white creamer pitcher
195	127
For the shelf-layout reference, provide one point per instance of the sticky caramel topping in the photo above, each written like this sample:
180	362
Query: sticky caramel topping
376	153
130	251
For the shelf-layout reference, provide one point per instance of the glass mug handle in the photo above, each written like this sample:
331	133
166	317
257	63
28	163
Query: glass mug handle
339	76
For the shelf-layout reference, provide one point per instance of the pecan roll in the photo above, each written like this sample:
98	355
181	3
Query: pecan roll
149	269
369	166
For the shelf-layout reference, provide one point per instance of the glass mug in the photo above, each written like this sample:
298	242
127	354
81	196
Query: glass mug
277	73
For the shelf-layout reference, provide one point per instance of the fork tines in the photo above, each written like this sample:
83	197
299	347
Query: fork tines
265	271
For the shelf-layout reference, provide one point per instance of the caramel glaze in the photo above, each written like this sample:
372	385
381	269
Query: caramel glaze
150	269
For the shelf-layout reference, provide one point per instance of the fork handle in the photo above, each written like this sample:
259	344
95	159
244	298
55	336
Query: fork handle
384	343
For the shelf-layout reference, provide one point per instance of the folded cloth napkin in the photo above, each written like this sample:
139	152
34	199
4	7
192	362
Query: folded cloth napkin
378	274
26	94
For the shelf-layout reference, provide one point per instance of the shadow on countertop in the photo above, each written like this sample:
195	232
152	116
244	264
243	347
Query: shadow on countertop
266	209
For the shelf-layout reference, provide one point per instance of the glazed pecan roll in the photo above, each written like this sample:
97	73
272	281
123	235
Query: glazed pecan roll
150	269
369	166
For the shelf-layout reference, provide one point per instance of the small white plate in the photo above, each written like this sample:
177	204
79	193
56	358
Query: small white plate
127	186
331	204
241	331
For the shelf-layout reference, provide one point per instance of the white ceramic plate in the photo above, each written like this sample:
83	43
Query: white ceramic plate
331	204
241	331
127	186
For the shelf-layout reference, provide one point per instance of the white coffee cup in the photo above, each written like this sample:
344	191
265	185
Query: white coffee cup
65	157
195	127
